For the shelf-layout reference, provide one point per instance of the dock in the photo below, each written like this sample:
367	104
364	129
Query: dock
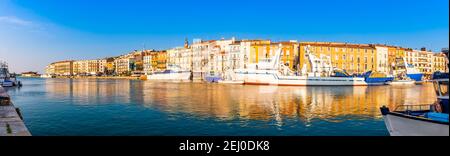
11	121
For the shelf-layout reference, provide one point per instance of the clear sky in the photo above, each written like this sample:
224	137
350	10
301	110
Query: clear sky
34	33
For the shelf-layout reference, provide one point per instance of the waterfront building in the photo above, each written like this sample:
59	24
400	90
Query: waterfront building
200	51
93	67
354	58
440	62
50	69
80	67
161	60
110	66
102	66
30	74
63	68
138	60
147	63
422	60
86	67
217	56
124	64
234	58
267	49
181	56
396	52
382	60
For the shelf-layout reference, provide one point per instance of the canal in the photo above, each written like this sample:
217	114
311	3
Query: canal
136	108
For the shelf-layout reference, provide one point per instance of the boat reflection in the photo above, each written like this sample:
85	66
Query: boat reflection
231	102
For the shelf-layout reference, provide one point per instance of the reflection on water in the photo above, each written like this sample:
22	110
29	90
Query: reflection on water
280	106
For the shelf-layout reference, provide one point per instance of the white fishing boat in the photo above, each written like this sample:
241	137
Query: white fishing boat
271	72
7	79
401	79
421	120
401	82
173	73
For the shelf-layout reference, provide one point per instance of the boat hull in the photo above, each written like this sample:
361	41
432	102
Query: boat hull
182	76
401	83
274	79
403	125
416	77
376	81
7	84
230	82
213	79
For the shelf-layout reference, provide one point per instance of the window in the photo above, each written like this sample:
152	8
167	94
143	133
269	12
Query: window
365	59
343	57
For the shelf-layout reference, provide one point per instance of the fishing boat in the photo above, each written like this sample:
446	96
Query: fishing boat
401	66
7	79
172	73
374	78
401	82
270	71
421	120
401	79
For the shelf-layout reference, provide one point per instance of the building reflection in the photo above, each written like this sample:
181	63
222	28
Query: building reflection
231	102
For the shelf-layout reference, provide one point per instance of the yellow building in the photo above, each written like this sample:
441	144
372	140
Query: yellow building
440	62
159	60
265	49
63	68
396	52
354	58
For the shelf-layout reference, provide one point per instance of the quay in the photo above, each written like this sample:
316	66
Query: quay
11	122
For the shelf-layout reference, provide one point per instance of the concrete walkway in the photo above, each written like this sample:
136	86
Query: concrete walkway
11	124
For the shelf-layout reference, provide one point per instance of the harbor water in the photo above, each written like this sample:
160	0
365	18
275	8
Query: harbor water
136	108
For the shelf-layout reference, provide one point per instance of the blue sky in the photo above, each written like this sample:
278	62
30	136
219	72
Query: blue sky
35	33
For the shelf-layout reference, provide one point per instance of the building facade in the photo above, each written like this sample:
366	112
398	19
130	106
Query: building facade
147	60
440	62
124	65
422	60
63	68
354	58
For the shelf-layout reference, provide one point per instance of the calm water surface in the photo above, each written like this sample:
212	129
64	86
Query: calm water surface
133	107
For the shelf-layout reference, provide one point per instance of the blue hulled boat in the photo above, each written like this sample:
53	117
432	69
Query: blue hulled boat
376	78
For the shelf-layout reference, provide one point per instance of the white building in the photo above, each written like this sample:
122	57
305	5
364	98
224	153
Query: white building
381	64
180	56
102	66
422	60
124	64
147	63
